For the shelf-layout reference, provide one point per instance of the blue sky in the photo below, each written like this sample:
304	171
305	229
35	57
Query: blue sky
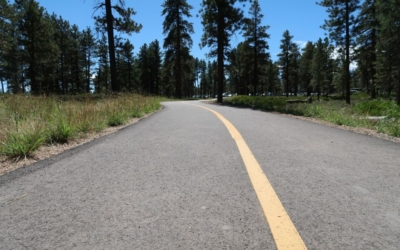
302	18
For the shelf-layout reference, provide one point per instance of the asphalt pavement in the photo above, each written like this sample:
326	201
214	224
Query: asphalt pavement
176	180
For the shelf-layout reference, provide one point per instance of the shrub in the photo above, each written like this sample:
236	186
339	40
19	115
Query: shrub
116	119
373	107
22	144
61	132
257	102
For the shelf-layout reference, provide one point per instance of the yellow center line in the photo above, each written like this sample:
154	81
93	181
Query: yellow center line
283	230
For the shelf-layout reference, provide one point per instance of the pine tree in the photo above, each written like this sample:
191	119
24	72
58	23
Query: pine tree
203	77
36	37
103	70
295	67
233	69
188	79
74	59
339	26
220	20
318	66
6	29
145	69
121	23
244	57
389	43
126	68
367	30
210	80
256	35
88	45
196	72
49	61
168	88
155	61
14	63
62	39
306	67
177	42
273	80
285	58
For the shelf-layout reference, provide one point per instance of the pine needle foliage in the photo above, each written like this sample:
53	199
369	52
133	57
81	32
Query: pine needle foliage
177	42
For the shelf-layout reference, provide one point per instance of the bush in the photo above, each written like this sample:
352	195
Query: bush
257	102
61	132
374	107
116	119
22	144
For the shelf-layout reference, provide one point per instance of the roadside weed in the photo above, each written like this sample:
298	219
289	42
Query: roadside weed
332	110
62	118
22	144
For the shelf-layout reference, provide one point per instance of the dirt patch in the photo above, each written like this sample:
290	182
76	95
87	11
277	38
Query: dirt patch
7	165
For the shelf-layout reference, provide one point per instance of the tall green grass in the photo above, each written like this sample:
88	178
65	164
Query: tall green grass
27	122
257	102
333	110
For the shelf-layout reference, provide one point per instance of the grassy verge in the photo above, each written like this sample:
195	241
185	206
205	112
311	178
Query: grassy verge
333	110
27	122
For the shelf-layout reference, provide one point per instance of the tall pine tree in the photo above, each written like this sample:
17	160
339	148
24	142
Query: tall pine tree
367	30
177	42
389	43
220	20
285	58
121	23
339	25
256	35
306	67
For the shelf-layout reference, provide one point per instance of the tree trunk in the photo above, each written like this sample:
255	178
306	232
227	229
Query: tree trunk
287	76
347	63
63	85
319	90
255	57
373	61
32	75
220	52
129	76
111	48
32	68
398	80
178	68
77	78
88	73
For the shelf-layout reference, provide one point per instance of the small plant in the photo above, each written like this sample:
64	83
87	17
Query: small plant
19	145
313	110
62	132
373	107
263	103
116	119
395	131
84	127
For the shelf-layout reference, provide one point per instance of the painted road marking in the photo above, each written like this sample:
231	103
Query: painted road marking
283	230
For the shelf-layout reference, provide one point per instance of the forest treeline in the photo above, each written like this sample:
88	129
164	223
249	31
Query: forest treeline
43	53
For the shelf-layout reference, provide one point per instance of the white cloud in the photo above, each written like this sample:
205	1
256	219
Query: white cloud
335	55
301	44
